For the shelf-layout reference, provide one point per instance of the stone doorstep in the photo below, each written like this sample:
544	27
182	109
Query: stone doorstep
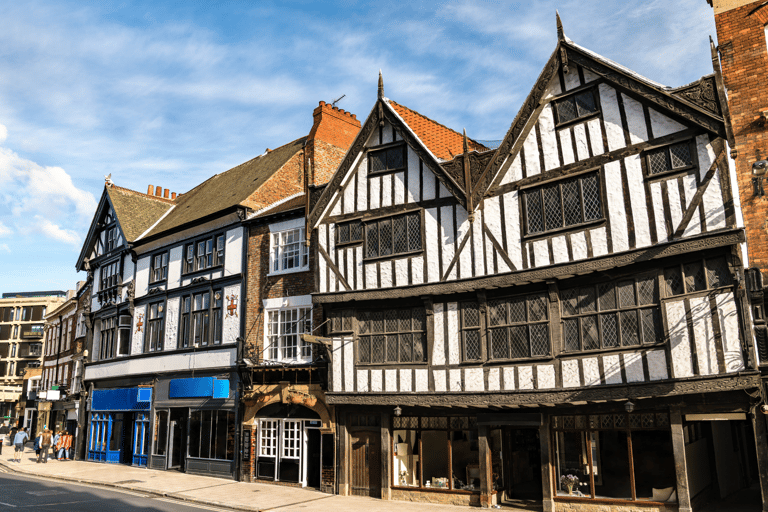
112	485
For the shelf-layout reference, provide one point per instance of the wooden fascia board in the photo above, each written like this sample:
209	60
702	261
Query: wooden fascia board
666	101
92	229
604	263
655	389
531	104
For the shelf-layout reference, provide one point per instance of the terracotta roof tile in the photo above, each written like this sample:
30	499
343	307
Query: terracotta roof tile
443	142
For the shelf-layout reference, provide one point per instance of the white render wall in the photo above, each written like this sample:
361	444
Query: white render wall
208	359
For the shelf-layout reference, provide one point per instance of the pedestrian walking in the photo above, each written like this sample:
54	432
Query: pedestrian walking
18	441
36	444
45	445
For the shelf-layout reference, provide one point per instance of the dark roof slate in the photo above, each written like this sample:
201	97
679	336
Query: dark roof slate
136	212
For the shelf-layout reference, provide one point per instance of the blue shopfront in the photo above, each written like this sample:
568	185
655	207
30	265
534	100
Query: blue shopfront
119	429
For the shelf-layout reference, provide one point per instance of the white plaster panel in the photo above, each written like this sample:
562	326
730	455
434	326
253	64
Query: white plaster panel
349	195
440	382
582	145
514	173
579	245
230	328
443	191
712	200
349	364
567	145
658	211
591	371
322	266
635	120
454	379
428	188
636	186
512	225
509	377
386	190
337	205
729	328
473	379
595	136
633	367
494	380
376	378
142	276
612	369
386	133
560	249
661	125
371	279
174	267
401	272
432	239
385	267
531	152
171	323
525	377
362	381
477	242
614	191
337	362
541	253
454	351
375	187
680	345
570	369
614	132
216	275
422	380
362	185
349	271
673	198
414	176
553	88
462	228
224	358
690	186
137	333
417	269
703	336
438	344
599	242
548	138
447	239
390	381
545	376
657	365
406	381
589	76
705	154
399	178
332	253
571	79
359	266
492	219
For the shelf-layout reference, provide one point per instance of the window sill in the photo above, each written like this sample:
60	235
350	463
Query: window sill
289	271
565	230
393	256
670	173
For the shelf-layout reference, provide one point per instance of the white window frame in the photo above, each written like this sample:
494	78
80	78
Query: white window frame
291	440
280	320
268	438
277	247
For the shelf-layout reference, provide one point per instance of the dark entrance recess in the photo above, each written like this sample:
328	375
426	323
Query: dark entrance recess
366	464
177	439
522	463
313	458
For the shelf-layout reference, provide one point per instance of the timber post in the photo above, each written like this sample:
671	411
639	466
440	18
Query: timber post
681	467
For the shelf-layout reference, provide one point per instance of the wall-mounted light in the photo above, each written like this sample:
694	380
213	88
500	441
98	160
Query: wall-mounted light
398	411
629	406
759	169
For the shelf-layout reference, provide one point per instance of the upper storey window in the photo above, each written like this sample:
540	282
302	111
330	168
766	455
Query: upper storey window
349	232
576	106
203	254
289	252
393	235
392	336
388	159
675	157
519	327
563	204
110	279
159	267
696	276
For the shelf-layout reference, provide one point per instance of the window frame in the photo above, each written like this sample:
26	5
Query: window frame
348	225
708	284
391	219
275	336
108	330
154	330
667	148
527	323
465	329
572	95
539	190
189	315
364	332
216	254
162	257
277	255
383	148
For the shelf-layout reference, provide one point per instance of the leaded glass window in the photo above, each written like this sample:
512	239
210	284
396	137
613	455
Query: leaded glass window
470	331
349	232
563	204
670	158
387	160
518	327
391	336
576	106
393	235
697	276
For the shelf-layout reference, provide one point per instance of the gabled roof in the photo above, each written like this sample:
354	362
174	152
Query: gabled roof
294	202
227	190
135	211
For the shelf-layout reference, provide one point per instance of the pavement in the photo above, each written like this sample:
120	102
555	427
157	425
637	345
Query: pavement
204	490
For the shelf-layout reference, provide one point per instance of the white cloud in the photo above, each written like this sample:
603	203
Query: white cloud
55	232
5	248
5	230
3	133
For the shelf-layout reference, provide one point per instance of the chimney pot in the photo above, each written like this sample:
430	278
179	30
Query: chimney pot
150	190
165	194
173	195
158	191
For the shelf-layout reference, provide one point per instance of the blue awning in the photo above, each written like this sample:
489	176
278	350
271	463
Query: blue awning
200	387
123	399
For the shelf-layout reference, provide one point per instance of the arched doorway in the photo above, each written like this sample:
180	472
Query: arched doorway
288	444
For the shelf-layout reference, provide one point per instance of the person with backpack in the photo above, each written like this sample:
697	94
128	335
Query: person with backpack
19	440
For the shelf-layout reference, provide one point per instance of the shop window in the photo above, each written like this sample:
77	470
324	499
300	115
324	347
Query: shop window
613	314
697	276
284	329
436	453
614	456
566	203
212	435
160	440
391	336
519	327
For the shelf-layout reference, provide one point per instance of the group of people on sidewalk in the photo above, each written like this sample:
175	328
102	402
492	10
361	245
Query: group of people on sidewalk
61	442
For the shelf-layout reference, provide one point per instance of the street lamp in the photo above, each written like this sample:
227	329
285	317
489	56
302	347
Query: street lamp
629	406
759	169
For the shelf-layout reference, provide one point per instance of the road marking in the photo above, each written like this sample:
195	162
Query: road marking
7	504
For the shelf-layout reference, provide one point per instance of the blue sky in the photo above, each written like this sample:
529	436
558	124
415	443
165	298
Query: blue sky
170	93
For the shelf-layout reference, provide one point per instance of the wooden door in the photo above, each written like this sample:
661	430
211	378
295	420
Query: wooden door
366	464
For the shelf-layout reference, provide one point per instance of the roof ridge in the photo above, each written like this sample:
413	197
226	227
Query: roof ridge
436	122
136	192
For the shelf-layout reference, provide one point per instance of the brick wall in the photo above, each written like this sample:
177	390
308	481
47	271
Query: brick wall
331	135
744	60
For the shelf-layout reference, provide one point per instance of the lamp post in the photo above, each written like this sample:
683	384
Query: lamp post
759	169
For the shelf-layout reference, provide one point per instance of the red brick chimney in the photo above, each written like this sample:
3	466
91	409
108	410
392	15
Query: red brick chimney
329	139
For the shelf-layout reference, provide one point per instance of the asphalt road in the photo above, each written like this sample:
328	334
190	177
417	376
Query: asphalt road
21	492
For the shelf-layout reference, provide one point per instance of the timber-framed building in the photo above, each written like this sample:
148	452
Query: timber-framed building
561	319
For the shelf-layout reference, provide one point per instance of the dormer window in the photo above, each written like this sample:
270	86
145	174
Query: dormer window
387	159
